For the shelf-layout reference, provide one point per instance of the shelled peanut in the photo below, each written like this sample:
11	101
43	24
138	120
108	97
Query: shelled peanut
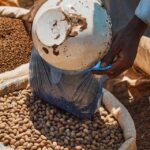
30	123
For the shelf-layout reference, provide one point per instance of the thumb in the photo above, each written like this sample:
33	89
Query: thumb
108	59
111	55
27	26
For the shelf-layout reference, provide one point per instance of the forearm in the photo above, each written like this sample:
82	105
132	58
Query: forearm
28	18
143	11
39	2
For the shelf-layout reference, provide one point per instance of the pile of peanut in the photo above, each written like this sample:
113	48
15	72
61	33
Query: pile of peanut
15	44
29	123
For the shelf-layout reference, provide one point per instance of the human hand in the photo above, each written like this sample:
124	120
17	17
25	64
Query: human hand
124	48
28	18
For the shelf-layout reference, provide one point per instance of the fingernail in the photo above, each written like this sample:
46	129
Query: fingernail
103	64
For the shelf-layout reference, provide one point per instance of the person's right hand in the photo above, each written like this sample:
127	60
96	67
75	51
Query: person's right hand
28	18
124	48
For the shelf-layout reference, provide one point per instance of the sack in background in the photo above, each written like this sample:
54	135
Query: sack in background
132	84
8	3
142	60
13	12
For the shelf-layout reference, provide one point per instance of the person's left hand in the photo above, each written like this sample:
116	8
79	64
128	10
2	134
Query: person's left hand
124	48
28	18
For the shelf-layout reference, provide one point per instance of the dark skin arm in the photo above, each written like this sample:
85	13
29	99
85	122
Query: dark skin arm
124	48
28	18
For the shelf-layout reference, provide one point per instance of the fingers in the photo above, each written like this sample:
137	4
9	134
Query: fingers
28	26
113	58
109	58
98	72
112	53
112	73
32	14
122	53
119	66
28	19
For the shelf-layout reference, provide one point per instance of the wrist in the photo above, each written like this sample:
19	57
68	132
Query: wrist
39	2
137	26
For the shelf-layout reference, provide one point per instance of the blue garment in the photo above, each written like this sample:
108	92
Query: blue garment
77	94
143	11
122	11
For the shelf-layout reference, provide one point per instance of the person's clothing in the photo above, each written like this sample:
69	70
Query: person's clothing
122	11
143	11
78	94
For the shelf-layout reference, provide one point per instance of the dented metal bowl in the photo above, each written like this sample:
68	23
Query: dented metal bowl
72	35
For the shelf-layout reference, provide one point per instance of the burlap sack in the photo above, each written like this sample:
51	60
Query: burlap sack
122	115
20	73
12	12
143	56
111	103
133	84
14	80
2	147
